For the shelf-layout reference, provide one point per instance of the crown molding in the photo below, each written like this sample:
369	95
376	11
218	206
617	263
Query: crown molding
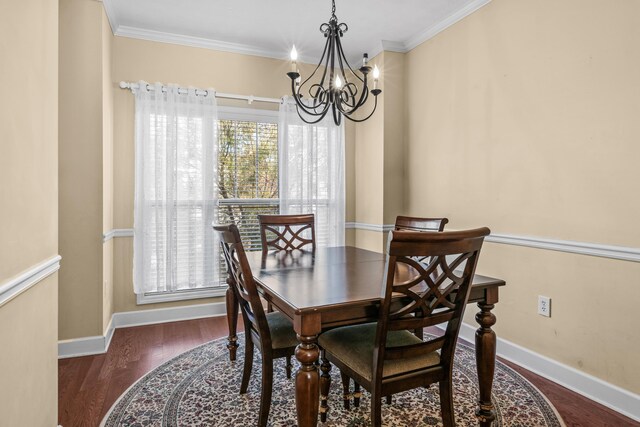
431	32
246	49
201	42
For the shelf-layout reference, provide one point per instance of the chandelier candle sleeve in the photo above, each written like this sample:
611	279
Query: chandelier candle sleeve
294	59
338	87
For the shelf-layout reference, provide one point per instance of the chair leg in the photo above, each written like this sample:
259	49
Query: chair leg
248	365
446	402
269	307
325	386
376	409
389	399
418	332
265	398
357	394
346	397
288	367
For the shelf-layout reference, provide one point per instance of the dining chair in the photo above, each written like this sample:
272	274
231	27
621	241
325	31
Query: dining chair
287	232
414	223
272	333
384	357
410	223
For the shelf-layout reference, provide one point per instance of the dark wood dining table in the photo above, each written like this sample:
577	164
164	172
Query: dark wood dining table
343	286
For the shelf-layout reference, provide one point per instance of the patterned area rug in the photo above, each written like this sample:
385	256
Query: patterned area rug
201	388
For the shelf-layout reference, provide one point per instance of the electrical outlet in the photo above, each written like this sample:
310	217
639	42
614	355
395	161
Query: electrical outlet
544	306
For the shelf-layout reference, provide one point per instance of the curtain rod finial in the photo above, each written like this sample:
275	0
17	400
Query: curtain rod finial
124	85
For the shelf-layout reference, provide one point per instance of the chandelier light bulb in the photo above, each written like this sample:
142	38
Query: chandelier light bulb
338	82
376	72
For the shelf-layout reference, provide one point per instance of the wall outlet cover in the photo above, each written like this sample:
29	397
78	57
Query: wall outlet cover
544	306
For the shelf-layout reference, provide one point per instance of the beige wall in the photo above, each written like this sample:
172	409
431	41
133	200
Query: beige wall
379	161
526	121
29	213
29	357
82	113
107	172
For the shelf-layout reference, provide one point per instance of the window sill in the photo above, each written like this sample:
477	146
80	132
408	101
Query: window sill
153	298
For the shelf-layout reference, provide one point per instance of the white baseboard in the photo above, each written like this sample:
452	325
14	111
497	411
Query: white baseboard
609	395
85	346
127	319
100	344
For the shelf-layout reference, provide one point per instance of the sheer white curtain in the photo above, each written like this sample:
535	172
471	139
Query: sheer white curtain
312	172
175	189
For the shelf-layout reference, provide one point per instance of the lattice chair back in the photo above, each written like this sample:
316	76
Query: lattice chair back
418	295
287	232
240	279
413	223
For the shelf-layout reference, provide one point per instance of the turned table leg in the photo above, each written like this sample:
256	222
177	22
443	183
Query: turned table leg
232	320
307	381
485	361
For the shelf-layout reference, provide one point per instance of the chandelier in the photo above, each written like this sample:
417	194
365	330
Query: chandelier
340	89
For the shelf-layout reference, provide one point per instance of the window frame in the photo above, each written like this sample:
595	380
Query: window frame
224	113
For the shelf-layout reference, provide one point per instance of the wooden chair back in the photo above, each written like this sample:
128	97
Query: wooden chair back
240	279
426	294
410	223
287	232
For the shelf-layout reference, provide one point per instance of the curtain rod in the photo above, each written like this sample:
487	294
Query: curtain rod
249	98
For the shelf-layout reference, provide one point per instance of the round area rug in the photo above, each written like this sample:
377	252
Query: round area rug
201	388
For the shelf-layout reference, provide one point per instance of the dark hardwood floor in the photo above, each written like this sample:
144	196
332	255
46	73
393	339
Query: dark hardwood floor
88	386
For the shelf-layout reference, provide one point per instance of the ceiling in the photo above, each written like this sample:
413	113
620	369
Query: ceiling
270	28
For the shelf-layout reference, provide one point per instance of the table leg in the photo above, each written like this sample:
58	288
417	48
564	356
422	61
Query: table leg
232	320
485	362
307	381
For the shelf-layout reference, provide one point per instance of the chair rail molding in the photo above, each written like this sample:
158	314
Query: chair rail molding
368	227
17	285
117	232
583	248
622	253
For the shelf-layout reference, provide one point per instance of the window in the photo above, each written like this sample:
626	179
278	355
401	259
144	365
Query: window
247	175
248	170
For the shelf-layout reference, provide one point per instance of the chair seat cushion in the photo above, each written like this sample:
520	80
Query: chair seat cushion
281	329
353	346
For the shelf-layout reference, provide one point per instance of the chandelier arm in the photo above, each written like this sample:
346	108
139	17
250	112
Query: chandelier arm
307	110
337	117
324	52
331	58
365	93
349	99
311	122
347	88
366	118
346	61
